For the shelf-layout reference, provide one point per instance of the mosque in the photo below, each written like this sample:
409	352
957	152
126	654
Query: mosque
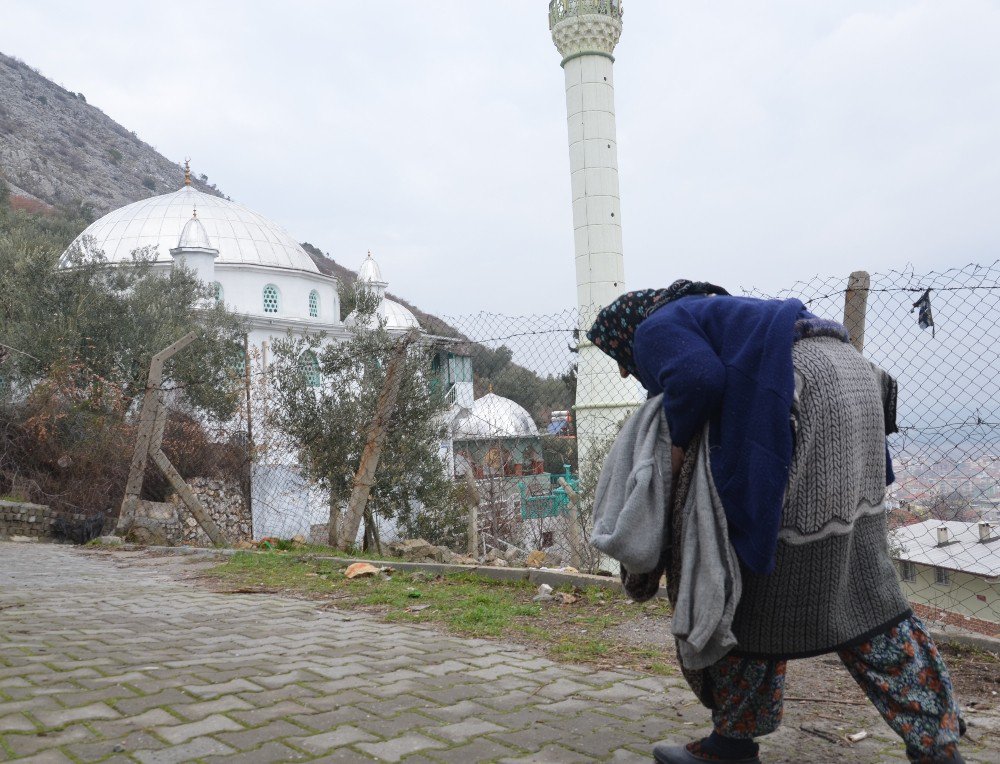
260	271
257	268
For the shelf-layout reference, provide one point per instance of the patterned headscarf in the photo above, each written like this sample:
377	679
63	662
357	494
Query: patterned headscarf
614	330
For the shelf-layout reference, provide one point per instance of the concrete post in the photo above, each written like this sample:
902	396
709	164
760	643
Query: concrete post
855	307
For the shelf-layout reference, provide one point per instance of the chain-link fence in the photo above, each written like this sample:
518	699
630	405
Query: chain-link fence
527	413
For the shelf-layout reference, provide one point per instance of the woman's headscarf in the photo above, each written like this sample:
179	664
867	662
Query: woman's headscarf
614	329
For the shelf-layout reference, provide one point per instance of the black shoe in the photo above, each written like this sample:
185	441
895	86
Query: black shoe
679	754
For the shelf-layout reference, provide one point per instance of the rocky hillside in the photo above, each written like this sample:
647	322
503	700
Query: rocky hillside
57	149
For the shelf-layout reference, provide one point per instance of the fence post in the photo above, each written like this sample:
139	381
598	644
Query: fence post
152	420
151	403
473	527
855	307
575	558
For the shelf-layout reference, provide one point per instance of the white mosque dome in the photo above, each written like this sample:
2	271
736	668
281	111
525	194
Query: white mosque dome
494	416
395	316
242	236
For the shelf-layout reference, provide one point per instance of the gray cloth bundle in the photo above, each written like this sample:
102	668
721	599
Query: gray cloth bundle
710	585
633	491
630	524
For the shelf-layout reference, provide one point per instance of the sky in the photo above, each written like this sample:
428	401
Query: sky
759	143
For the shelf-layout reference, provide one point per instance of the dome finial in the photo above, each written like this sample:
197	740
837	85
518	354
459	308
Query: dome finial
194	212
187	172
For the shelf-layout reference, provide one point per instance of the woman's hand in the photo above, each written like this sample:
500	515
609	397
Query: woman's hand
676	461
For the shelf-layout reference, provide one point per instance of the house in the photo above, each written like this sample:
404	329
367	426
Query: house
950	566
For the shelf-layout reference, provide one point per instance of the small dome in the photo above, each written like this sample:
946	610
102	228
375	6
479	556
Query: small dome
494	416
396	317
194	235
369	272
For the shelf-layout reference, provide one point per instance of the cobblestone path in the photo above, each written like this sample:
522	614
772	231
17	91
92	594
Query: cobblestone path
100	661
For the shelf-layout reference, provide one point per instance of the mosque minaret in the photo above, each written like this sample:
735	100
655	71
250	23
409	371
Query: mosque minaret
585	32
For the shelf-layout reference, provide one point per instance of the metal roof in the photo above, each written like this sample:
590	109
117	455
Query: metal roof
964	551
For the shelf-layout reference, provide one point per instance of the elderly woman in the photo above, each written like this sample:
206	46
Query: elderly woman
797	421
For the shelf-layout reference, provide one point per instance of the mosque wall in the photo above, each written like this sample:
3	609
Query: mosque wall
243	291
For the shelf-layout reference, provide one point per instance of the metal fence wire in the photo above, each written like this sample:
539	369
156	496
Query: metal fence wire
514	431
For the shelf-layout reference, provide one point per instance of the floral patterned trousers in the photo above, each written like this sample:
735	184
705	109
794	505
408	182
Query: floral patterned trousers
901	671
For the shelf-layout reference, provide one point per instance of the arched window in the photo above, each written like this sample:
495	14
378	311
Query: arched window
314	304
270	299
218	291
309	366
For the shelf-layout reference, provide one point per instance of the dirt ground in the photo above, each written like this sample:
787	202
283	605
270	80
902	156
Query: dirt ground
975	674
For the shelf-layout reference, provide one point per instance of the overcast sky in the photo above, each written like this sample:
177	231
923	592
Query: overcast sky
759	142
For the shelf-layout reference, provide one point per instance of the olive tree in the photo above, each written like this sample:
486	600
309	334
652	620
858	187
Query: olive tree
328	419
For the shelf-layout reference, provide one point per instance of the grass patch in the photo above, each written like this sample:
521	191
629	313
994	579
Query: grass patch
462	603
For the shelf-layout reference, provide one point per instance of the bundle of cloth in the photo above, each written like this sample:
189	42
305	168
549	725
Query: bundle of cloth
632	525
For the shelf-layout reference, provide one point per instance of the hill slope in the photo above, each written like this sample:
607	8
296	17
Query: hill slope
58	149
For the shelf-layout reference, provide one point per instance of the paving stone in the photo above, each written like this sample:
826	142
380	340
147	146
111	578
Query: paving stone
222	688
207	726
206	708
344	735
461	731
258	716
481	749
460	710
330	719
195	749
530	738
552	754
69	715
168	697
25	745
395	725
16	723
397	748
100	750
46	757
252	738
266	754
155	717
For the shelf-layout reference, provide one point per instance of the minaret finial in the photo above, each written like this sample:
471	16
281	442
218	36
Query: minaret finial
187	172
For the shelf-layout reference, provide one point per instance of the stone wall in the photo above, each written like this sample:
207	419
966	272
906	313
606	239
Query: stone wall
19	518
224	503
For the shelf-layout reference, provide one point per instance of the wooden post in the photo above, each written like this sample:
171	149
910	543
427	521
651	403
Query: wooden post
855	307
575	556
377	431
473	527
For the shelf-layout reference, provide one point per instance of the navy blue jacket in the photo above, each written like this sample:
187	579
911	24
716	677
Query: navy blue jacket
728	361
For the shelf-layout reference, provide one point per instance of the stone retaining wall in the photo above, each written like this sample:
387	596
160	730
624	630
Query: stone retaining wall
224	503
20	518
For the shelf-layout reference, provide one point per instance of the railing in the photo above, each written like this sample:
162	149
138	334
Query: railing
563	9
